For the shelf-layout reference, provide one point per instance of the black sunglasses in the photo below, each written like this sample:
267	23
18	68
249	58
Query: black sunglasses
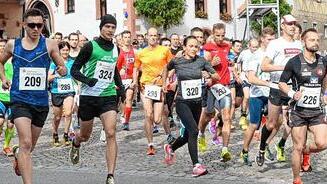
33	25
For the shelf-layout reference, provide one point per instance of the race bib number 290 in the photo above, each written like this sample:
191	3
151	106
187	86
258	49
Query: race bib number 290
32	78
104	71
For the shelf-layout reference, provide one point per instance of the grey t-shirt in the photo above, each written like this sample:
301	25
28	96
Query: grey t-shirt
189	69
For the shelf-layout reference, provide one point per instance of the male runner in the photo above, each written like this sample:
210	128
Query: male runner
73	42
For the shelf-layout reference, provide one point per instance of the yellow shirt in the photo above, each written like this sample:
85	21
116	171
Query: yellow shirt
152	62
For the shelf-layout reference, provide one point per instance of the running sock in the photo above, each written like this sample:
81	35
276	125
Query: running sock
243	113
282	143
200	134
110	176
244	152
150	144
265	133
9	134
128	111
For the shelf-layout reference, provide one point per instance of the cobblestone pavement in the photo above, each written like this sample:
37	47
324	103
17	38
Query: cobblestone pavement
52	165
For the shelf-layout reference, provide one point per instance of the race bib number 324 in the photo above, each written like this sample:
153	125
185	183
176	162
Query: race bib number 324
104	71
32	78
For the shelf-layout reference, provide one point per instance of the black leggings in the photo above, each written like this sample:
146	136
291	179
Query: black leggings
189	113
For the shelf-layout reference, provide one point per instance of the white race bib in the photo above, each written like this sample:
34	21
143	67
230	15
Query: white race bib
191	89
65	85
104	71
152	92
127	83
32	78
310	97
219	91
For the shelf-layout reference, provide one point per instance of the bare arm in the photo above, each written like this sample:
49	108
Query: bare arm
57	59
8	52
267	66
253	79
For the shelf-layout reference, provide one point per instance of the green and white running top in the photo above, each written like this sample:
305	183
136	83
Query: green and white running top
5	94
101	66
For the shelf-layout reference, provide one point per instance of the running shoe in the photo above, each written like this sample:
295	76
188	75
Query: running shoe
199	170
110	180
297	181
74	154
103	136
15	163
66	140
169	155
260	158
55	140
225	155
202	143
122	119
280	153
171	139
245	159
268	155
212	127
155	129
125	126
243	123
217	141
7	151
151	151
306	165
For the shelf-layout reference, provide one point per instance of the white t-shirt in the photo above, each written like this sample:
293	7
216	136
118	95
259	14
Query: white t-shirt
244	60
256	60
280	51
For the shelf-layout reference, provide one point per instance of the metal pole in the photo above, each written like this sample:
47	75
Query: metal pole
278	19
247	20
234	19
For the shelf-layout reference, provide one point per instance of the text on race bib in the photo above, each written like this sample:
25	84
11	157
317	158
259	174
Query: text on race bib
65	85
191	89
152	92
310	97
104	71
219	91
32	78
127	82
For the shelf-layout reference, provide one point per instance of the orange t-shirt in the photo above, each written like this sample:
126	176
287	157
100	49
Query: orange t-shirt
152	62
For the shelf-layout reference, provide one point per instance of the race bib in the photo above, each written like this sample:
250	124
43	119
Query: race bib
191	89
104	71
65	85
152	92
310	97
219	91
32	78
127	82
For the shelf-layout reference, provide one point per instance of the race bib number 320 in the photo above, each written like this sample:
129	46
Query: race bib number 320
104	71
152	92
191	89
310	97
32	78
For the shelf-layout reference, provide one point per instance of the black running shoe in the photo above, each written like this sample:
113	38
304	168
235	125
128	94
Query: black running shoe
260	158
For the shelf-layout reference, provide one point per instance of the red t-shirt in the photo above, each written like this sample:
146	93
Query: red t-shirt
221	51
126	61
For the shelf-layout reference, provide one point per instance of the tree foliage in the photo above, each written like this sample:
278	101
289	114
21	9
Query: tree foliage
161	13
270	19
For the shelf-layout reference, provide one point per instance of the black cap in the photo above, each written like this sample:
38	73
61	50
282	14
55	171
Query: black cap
107	19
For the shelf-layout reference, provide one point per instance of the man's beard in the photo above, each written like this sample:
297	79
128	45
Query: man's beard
313	49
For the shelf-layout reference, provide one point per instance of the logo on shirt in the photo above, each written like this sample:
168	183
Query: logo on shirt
306	73
314	80
291	51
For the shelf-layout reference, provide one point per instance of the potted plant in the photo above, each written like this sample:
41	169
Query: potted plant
201	14
226	17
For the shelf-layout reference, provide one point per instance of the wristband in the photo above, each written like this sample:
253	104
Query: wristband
291	93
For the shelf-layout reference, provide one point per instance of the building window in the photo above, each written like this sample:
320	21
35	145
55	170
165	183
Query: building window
200	9
223	6
70	6
325	30
103	7
314	26
305	25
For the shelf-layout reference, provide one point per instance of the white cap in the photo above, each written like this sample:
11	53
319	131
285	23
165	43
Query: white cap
288	18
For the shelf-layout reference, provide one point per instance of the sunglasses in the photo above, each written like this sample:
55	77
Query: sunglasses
33	25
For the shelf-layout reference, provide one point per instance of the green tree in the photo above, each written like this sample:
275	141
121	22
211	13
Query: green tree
161	13
270	19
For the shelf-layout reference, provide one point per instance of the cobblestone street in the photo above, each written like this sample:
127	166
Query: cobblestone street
52	165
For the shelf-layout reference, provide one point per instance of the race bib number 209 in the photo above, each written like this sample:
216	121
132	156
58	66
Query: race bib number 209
32	78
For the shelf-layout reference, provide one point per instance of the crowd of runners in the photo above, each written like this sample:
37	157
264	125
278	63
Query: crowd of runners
202	76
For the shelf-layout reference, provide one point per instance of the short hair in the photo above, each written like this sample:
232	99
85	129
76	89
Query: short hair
236	41
33	12
3	40
163	39
140	35
196	29
187	39
73	34
59	34
125	32
63	44
218	26
135	42
173	35
268	31
303	35
299	26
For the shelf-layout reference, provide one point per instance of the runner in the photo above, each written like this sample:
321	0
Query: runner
98	97
175	45
277	54
31	60
62	95
165	42
125	66
58	37
5	111
243	64
219	94
152	61
307	72
188	101
73	42
259	91
82	40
